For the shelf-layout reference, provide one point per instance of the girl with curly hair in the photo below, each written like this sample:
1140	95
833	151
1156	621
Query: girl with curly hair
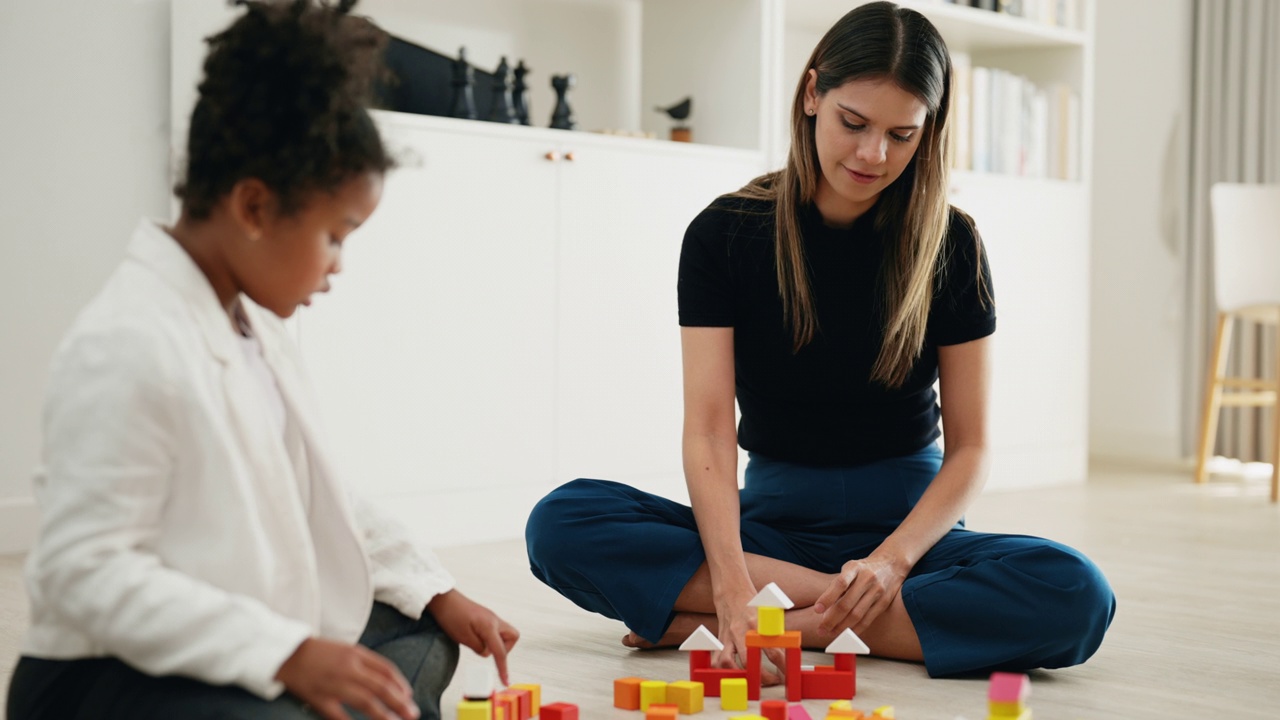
198	557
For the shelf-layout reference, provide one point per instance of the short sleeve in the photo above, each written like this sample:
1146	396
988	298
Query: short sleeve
964	300
705	283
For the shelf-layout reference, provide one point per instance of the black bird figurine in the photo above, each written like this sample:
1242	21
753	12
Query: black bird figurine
679	111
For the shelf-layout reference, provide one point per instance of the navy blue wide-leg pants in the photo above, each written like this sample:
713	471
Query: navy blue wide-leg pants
980	602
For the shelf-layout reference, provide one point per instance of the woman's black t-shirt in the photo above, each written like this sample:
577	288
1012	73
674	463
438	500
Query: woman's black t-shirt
819	406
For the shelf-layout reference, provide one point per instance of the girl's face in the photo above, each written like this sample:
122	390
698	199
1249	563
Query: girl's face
866	133
295	254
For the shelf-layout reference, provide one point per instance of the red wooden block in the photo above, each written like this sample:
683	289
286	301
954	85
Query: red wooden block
827	684
710	679
525	698
795	683
560	711
699	659
753	673
509	702
774	709
847	662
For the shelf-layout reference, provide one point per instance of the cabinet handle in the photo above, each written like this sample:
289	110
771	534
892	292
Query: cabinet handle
552	156
569	156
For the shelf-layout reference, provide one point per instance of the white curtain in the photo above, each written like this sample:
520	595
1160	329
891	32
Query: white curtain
1235	137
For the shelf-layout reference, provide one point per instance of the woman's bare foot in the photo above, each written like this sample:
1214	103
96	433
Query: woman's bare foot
681	627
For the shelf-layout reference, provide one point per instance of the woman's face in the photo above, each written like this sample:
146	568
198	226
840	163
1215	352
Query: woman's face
866	132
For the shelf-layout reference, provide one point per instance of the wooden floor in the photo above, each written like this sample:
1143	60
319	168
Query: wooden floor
1197	632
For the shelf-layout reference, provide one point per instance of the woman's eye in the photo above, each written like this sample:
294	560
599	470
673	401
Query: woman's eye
853	127
900	138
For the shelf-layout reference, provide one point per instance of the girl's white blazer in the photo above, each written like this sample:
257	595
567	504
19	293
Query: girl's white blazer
180	533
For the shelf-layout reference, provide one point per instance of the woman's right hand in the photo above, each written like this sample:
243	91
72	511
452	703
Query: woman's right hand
735	618
327	675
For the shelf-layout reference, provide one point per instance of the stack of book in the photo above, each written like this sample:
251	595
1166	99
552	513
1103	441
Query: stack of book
1004	123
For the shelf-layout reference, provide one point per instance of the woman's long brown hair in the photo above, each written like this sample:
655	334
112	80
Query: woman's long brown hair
875	41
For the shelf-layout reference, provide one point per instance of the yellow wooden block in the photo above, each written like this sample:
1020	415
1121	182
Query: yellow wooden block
840	705
474	710
849	714
652	692
535	699
1024	715
747	717
770	621
884	711
733	694
1006	709
686	695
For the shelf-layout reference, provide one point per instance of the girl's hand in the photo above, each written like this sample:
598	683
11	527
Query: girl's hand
863	589
735	619
475	626
328	675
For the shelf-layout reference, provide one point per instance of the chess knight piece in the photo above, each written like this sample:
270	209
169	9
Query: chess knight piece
464	101
520	95
500	110
562	117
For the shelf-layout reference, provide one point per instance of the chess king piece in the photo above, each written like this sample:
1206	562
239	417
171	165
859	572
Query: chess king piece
520	95
680	132
464	101
500	110
562	116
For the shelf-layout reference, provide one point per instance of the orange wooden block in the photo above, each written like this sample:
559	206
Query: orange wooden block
659	711
626	693
790	639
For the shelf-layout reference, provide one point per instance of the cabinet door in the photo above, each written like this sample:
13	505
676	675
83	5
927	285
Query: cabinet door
1037	238
624	213
433	357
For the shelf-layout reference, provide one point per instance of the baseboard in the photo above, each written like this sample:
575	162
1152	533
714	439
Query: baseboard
19	522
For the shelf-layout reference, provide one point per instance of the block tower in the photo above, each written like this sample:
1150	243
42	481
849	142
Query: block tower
771	605
1007	697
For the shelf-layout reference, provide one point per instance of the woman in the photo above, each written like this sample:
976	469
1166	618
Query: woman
827	298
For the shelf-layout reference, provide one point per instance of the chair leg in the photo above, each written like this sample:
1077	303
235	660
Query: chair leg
1213	395
1275	427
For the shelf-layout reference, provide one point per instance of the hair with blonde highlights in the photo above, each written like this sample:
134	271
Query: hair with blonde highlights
876	41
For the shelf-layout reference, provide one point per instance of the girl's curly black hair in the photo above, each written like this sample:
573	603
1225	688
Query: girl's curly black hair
283	100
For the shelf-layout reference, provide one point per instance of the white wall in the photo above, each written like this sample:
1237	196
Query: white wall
83	156
1143	81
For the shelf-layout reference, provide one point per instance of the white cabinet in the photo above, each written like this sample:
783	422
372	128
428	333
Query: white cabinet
618	383
506	320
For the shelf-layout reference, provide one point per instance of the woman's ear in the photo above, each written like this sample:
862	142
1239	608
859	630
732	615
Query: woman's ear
811	93
252	205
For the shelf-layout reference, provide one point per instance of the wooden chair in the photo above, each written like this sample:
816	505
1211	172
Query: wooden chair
1246	249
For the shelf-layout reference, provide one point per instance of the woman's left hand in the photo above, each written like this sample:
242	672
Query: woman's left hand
860	592
476	626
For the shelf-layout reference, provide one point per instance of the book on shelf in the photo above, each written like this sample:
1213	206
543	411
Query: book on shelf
1004	123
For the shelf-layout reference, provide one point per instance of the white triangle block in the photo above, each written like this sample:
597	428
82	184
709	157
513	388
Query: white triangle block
848	644
701	639
771	596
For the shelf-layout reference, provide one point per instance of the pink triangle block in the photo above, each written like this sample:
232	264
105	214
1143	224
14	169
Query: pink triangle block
797	712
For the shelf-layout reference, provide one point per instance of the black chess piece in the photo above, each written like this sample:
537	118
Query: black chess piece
464	101
562	116
520	95
500	109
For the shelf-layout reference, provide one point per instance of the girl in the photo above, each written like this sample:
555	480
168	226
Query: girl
198	558
827	298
